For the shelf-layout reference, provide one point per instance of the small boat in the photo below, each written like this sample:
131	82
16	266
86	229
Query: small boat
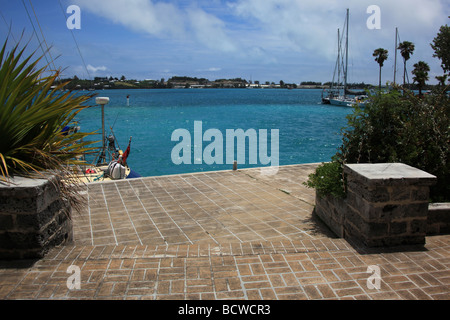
110	162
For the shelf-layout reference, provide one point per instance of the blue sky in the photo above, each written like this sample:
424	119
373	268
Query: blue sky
265	40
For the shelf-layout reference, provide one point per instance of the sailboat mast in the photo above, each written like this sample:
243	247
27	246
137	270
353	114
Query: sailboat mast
395	63
339	60
346	56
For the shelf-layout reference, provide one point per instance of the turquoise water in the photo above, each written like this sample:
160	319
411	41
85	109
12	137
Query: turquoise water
308	131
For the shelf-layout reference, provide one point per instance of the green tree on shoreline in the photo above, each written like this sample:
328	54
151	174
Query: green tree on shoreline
441	47
420	73
441	80
406	50
381	56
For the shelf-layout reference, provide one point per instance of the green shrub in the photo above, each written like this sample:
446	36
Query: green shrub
397	127
328	179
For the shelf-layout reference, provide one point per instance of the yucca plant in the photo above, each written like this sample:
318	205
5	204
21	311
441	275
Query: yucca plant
33	112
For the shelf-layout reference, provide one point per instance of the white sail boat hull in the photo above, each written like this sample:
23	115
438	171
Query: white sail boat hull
341	102
346	102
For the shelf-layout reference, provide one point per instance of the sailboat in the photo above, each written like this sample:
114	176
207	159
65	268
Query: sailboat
333	95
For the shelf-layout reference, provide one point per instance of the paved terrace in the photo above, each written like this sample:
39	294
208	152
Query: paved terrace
220	235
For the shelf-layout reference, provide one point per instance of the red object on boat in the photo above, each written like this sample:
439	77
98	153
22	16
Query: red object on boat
126	153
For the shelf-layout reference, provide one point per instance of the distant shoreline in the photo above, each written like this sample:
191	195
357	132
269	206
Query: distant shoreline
99	83
206	88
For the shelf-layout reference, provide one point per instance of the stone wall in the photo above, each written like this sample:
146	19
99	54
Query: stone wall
332	211
386	205
33	218
438	221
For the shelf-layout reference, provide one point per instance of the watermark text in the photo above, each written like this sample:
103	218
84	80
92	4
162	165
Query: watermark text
74	20
235	147
74	281
374	21
374	281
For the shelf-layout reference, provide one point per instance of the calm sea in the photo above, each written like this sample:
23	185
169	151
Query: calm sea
308	131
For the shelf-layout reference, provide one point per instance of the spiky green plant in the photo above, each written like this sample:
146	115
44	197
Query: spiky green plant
33	111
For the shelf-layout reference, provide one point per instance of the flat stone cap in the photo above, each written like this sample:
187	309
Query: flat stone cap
22	182
24	187
390	173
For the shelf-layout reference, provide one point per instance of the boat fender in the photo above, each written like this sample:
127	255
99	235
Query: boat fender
116	170
110	168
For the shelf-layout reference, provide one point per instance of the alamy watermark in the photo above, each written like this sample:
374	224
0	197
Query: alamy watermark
374	21
74	20
374	281
74	281
213	153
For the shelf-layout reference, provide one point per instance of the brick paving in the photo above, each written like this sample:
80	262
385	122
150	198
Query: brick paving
211	207
221	235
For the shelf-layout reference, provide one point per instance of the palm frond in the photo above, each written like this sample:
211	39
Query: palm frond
33	111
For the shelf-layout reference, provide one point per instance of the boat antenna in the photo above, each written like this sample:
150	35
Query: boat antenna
338	61
335	83
75	40
346	55
35	32
396	45
397	37
43	37
102	101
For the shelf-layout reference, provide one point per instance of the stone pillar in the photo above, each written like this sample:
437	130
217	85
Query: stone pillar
387	204
33	218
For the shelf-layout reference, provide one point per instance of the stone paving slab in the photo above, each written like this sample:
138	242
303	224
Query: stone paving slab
219	236
213	207
301	270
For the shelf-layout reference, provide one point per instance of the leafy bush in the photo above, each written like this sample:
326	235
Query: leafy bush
397	127
328	179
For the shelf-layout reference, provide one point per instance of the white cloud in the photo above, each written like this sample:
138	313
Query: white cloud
164	20
309	28
210	30
270	34
311	25
212	69
96	69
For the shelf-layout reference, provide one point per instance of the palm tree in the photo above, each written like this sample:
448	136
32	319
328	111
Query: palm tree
406	49
420	73
381	56
441	79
